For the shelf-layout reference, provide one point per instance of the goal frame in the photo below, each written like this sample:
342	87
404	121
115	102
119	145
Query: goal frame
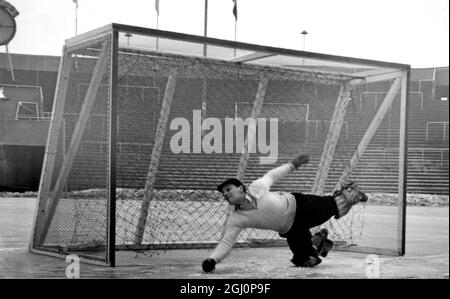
399	73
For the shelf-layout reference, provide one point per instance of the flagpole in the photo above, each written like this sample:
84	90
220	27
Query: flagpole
235	33
76	17
205	32
235	22
157	27
157	22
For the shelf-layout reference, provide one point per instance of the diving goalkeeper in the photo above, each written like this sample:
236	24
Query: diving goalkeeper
290	214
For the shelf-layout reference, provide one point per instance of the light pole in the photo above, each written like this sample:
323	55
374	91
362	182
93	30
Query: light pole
76	16
128	35
304	33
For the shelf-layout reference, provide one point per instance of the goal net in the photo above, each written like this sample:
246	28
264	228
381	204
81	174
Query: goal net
147	123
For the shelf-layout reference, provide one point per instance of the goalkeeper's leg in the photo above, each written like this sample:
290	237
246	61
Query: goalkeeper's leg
349	195
304	254
314	210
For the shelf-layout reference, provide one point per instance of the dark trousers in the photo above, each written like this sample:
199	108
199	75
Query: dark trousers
312	210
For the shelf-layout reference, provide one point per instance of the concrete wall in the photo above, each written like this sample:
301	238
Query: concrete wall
20	167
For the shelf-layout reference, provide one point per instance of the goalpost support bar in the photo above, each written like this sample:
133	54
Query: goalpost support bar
332	139
376	121
156	155
251	132
51	147
80	127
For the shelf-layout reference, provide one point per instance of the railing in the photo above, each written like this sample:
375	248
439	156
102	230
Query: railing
421	150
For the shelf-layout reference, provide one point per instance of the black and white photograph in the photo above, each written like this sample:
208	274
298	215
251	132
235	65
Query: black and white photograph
223	146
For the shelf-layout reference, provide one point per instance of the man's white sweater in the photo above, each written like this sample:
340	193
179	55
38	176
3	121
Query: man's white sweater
274	211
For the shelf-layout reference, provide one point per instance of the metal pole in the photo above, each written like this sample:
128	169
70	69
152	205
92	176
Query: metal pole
76	18
157	26
205	32
10	63
128	35
235	23
304	33
403	162
111	259
157	22
235	34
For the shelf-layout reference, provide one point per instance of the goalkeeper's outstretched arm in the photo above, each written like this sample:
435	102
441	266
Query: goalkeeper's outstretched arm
223	248
263	184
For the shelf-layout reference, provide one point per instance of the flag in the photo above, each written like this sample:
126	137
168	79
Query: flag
157	6
235	9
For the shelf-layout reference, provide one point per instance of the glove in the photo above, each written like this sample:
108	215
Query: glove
299	160
208	265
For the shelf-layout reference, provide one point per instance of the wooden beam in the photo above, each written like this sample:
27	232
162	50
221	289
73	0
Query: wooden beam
156	155
363	249
377	78
374	72
384	77
334	131
403	162
77	135
251	57
376	121
251	132
92	260
88	38
51	148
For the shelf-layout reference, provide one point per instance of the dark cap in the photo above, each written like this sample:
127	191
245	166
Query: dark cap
233	181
